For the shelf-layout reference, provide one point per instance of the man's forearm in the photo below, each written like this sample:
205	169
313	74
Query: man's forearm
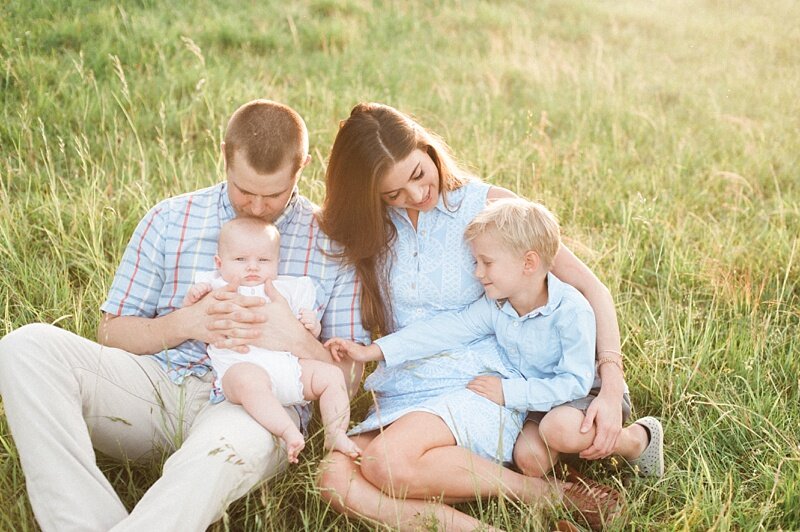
310	347
142	336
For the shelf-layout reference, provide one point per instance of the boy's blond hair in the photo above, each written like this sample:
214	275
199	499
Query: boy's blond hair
520	225
253	227
269	135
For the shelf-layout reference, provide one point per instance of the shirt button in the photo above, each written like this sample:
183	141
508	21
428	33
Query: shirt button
413	285
415	253
516	324
419	311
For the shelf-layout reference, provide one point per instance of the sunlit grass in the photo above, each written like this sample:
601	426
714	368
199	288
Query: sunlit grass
663	134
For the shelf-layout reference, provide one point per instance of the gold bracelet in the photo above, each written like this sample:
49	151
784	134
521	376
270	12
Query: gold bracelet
609	360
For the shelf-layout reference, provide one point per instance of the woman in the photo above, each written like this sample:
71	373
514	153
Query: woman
398	204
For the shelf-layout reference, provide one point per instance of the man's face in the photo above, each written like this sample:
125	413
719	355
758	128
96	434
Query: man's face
258	195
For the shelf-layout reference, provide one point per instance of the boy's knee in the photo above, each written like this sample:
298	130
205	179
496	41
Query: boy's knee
560	429
533	462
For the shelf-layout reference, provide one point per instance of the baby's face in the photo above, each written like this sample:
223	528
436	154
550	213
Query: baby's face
250	259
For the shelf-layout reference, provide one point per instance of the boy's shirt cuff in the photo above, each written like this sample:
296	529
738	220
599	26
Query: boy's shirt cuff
391	349
515	393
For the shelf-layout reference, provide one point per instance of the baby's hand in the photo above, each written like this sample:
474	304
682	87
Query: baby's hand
309	320
341	348
196	293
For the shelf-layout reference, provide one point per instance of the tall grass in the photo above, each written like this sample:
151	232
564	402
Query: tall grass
663	134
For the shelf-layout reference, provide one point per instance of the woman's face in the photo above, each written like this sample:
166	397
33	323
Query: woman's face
412	183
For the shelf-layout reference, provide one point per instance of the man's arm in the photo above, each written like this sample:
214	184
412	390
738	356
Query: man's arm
146	336
130	319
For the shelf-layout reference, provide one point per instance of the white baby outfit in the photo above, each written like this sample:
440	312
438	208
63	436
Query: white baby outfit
283	367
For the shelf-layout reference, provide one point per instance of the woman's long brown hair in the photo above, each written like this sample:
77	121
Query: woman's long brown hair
369	142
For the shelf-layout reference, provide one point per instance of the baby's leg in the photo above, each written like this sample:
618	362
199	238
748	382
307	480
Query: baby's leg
560	430
531	454
250	386
325	382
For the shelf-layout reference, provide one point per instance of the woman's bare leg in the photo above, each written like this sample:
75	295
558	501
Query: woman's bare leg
250	386
417	457
345	488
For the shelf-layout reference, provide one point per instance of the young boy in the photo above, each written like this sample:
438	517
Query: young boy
260	380
545	327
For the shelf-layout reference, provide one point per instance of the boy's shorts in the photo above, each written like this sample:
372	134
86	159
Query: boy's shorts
583	403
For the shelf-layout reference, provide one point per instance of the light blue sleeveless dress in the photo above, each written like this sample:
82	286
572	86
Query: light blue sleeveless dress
431	271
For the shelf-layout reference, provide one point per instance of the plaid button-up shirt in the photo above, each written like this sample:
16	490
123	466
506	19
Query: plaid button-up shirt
179	237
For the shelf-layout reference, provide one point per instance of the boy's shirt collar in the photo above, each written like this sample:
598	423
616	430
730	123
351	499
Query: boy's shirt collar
555	293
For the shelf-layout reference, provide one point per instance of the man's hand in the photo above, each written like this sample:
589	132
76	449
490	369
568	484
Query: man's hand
231	320
488	387
243	320
605	413
341	348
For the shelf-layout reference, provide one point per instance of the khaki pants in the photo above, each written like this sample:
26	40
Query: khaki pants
65	396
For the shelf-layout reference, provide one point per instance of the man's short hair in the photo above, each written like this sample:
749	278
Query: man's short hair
268	134
521	226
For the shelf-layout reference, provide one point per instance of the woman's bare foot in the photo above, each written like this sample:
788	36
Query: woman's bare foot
339	441
294	443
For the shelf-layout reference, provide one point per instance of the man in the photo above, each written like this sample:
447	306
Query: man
65	395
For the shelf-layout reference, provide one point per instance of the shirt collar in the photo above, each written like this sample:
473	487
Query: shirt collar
555	293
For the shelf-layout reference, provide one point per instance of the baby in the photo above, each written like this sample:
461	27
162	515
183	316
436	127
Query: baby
264	381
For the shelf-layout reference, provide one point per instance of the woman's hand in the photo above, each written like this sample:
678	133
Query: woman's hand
488	387
341	348
606	415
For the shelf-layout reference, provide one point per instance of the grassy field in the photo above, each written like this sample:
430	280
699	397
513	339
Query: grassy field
663	134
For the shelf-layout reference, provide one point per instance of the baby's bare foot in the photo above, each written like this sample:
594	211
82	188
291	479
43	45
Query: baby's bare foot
294	444
340	442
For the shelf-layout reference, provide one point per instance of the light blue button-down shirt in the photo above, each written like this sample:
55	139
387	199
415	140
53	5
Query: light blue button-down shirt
551	348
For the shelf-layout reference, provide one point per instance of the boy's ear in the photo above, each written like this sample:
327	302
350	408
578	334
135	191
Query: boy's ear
532	261
217	262
306	161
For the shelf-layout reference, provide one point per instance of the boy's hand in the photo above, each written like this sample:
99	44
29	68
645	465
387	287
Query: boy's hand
488	387
309	320
341	348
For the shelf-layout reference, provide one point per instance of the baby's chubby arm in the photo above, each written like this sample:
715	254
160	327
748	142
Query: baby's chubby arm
309	320
341	348
196	293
